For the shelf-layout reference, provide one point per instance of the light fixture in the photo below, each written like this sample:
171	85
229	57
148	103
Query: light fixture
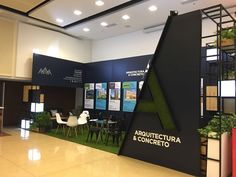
99	3
126	17
228	88
86	29
104	24
59	20
152	8
187	1
25	124
37	107
77	12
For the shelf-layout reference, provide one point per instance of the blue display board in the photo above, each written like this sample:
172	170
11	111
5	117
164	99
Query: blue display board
114	96
89	95
129	96
101	96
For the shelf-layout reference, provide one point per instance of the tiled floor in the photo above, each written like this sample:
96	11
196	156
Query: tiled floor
37	155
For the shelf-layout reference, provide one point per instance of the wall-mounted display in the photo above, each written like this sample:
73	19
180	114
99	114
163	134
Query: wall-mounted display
89	95
114	96
129	96
101	96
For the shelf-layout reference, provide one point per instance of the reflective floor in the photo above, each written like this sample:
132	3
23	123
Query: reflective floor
28	154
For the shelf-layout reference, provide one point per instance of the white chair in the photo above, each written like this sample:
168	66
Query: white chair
83	120
72	123
60	122
85	112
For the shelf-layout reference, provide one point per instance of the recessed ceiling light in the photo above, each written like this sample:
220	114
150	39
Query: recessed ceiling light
99	3
104	24
152	8
77	12
126	17
86	29
59	20
187	1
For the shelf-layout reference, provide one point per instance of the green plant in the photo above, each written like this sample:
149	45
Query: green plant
218	125
42	121
229	74
228	33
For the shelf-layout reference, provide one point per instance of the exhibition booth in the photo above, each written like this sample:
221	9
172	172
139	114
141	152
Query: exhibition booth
160	100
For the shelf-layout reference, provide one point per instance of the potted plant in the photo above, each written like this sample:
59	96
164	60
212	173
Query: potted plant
228	75
219	127
228	36
42	122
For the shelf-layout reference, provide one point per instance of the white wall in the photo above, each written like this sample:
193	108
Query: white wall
127	45
48	43
137	43
8	33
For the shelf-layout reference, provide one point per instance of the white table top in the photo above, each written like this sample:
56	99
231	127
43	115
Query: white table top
1	107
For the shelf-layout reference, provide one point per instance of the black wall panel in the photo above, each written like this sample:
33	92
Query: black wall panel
51	71
176	63
115	70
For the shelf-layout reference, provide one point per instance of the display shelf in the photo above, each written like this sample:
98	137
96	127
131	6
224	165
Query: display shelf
219	65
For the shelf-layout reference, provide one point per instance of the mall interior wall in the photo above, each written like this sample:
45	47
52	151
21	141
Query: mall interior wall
127	45
49	43
18	40
134	43
8	34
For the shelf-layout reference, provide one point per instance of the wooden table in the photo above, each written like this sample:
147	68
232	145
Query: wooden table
1	118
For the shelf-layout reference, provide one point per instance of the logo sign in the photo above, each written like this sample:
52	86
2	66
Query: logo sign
158	105
44	71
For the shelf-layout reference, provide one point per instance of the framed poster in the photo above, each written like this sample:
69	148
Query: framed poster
89	95
101	96
129	96
114	96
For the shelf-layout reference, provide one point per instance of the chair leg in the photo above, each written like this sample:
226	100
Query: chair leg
75	128
87	137
117	139
107	139
82	131
68	131
63	129
58	126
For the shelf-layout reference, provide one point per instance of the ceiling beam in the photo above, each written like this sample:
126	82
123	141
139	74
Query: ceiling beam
38	6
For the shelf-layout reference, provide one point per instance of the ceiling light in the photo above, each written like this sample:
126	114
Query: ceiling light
77	12
99	3
103	24
86	29
59	20
187	1
126	17
152	8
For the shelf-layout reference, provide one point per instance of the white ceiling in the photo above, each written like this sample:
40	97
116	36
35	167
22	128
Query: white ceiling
140	16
